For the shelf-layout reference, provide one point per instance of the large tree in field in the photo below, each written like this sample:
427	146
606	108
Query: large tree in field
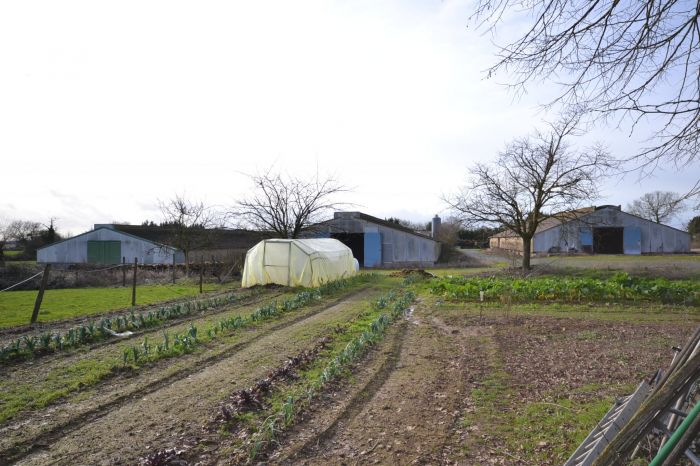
188	222
533	179
657	206
627	58
287	205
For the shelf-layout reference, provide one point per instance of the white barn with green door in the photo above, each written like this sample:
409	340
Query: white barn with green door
105	246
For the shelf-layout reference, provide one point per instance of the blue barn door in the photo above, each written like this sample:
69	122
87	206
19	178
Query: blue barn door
373	250
632	240
585	236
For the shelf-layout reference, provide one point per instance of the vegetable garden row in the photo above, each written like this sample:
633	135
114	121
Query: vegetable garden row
618	287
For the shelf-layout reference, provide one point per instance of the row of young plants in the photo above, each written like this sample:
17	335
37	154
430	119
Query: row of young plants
295	404
147	352
109	327
620	286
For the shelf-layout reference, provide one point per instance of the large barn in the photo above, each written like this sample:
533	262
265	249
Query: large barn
599	230
150	244
105	245
378	243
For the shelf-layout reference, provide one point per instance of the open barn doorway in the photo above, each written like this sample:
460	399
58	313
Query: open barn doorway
356	243
608	240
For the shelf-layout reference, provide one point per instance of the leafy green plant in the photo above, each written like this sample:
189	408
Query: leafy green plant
621	287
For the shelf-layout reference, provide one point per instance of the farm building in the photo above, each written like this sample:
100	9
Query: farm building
212	244
108	243
599	230
377	243
105	245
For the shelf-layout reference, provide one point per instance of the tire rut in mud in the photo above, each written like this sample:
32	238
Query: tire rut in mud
356	403
27	447
408	415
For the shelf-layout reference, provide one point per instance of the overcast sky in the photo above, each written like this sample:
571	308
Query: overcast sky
106	107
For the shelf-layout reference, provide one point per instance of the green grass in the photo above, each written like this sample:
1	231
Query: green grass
11	253
59	383
16	306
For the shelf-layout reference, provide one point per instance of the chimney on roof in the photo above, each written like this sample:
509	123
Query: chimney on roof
435	226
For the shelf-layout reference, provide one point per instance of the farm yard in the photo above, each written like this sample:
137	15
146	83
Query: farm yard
463	366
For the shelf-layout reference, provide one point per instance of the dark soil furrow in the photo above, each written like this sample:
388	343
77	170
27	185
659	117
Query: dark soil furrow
358	401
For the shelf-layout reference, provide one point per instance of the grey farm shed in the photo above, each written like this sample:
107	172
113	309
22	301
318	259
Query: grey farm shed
378	243
105	245
600	230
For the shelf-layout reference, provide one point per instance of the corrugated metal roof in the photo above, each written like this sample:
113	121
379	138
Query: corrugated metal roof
551	222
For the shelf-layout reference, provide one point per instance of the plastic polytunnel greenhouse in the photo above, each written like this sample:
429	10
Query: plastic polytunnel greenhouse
297	262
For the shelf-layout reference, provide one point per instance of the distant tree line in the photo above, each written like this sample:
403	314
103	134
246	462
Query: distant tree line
26	236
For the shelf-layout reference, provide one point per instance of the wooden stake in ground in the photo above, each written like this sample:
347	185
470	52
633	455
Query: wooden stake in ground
201	276
40	296
133	287
124	272
173	267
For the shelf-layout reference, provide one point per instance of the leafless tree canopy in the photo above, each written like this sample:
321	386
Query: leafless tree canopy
22	230
657	206
288	206
188	221
637	57
533	179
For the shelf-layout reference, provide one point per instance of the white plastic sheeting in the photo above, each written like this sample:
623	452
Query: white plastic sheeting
297	262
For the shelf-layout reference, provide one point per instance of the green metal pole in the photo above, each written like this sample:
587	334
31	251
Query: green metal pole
668	446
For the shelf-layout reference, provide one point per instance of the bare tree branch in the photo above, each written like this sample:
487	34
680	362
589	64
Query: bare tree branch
637	59
657	206
188	222
532	180
286	205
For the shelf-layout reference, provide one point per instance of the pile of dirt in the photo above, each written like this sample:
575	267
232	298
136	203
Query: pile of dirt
412	273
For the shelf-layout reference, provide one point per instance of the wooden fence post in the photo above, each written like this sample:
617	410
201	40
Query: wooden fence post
124	272
201	275
173	267
40	296
133	287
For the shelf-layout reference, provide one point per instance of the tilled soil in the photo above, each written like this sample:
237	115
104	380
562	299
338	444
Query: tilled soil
405	403
125	418
402	409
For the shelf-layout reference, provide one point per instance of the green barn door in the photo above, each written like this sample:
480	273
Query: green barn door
104	252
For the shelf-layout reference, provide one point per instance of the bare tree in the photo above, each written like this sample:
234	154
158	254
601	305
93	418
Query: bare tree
188	222
657	206
289	206
23	231
533	179
631	58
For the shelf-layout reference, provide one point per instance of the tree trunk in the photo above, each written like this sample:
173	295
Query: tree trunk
527	243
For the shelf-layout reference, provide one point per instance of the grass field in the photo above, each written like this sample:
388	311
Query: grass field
16	306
